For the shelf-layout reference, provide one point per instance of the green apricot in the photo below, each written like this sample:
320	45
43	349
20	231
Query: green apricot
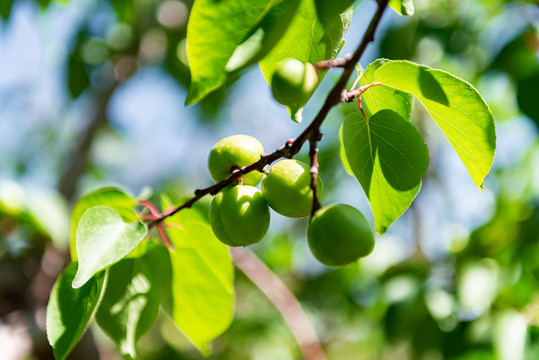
239	215
339	235
293	82
233	152
287	188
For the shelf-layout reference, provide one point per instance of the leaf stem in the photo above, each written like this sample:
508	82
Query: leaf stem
356	82
349	96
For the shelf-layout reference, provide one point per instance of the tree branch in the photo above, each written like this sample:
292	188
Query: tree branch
293	146
283	300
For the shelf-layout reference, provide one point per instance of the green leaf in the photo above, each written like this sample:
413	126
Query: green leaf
456	106
159	258
111	197
5	8
226	36
328	10
403	7
202	284
103	238
388	156
383	97
70	310
130	304
342	153
308	40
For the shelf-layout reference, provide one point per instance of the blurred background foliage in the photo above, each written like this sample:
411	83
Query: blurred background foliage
92	92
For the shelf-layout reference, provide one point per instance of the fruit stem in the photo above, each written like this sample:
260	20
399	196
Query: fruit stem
313	154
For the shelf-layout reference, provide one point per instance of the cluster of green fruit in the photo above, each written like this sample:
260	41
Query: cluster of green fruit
240	216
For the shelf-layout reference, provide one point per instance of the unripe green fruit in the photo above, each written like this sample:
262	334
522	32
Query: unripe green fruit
339	235
233	152
293	82
239	215
287	188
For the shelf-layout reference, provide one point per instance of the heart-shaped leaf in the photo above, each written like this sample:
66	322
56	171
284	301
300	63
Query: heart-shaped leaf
103	238
388	156
109	196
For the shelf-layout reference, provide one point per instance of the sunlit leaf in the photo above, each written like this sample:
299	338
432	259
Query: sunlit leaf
70	310
383	97
403	7
130	303
308	40
342	154
103	238
226	36
328	10
456	106
112	197
388	156
202	283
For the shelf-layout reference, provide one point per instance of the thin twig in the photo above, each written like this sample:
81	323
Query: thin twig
283	300
293	146
332	63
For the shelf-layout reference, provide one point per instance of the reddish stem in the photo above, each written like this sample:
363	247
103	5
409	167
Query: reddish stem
164	237
150	206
